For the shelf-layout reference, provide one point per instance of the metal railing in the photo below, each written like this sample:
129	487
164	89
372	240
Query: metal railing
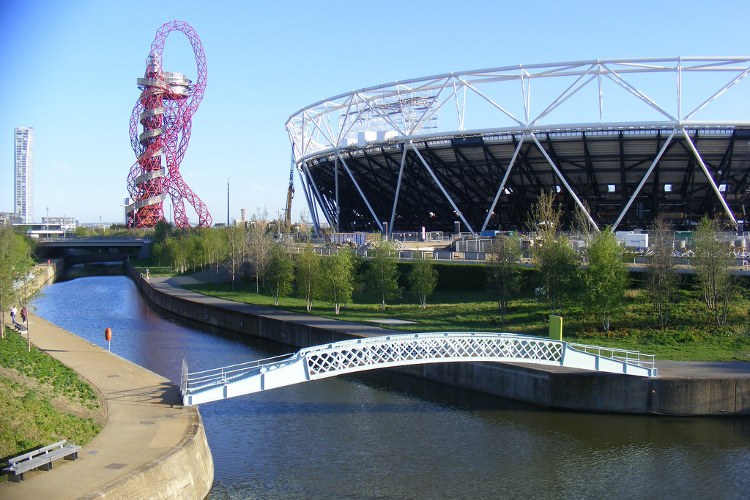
635	358
220	376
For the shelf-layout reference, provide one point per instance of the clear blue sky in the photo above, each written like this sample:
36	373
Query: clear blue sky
69	69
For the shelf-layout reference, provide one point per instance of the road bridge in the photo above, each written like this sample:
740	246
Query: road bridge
94	242
351	356
112	246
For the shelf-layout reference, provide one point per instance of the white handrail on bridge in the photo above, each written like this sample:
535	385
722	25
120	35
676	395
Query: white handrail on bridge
349	356
208	378
630	357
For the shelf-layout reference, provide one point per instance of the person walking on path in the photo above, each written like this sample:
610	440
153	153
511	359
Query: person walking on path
23	315
13	314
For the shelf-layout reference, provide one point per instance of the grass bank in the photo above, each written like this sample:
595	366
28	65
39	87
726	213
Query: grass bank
42	401
692	335
461	302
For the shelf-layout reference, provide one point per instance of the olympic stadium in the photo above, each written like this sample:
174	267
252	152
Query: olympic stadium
624	140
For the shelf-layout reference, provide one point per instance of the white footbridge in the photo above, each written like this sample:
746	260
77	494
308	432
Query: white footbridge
350	356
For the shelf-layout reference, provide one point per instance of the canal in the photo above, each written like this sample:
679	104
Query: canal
387	436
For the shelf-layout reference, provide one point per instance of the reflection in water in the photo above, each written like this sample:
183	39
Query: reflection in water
380	435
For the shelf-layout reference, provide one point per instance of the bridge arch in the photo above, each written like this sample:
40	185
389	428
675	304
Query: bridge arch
351	356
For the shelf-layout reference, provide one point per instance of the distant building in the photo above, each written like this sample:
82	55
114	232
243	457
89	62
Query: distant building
37	230
24	170
67	224
7	218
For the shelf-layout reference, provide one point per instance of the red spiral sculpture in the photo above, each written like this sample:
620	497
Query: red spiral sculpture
165	110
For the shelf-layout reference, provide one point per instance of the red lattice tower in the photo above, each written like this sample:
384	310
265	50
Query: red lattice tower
165	110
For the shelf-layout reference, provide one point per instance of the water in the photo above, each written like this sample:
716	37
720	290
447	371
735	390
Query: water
383	436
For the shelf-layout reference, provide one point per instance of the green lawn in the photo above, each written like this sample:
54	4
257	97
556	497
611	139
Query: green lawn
692	334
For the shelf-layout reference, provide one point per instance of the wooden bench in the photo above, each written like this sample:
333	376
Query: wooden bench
40	458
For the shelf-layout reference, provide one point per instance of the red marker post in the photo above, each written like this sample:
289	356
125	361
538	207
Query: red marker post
108	337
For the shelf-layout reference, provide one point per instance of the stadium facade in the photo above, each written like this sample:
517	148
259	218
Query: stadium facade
624	140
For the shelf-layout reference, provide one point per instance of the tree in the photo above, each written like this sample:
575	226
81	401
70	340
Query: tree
199	252
162	230
553	254
581	224
13	252
181	254
422	279
308	275
544	218
662	275
18	283
712	262
382	273
503	260
582	227
606	277
236	246
280	273
178	252
259	246
556	260
338	278
215	246
160	252
28	289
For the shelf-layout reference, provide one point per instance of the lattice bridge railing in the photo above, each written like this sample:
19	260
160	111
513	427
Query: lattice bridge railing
399	350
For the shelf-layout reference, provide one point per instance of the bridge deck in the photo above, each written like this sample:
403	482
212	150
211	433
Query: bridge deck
114	242
349	356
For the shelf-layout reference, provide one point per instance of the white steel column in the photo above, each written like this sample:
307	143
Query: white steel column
563	180
643	181
359	190
326	213
337	215
708	176
310	206
445	193
398	190
502	184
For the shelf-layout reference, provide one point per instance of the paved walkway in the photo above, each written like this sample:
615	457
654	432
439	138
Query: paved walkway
145	421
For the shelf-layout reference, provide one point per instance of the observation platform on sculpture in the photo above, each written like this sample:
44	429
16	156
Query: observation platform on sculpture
350	356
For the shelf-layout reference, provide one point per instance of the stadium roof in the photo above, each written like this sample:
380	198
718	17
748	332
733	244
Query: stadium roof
624	139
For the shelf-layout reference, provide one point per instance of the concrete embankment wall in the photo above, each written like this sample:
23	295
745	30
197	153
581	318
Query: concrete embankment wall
46	274
185	472
546	387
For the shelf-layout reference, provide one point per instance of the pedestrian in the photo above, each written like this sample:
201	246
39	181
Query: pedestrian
23	315
13	314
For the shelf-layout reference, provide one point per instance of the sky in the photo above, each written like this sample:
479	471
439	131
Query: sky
69	68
